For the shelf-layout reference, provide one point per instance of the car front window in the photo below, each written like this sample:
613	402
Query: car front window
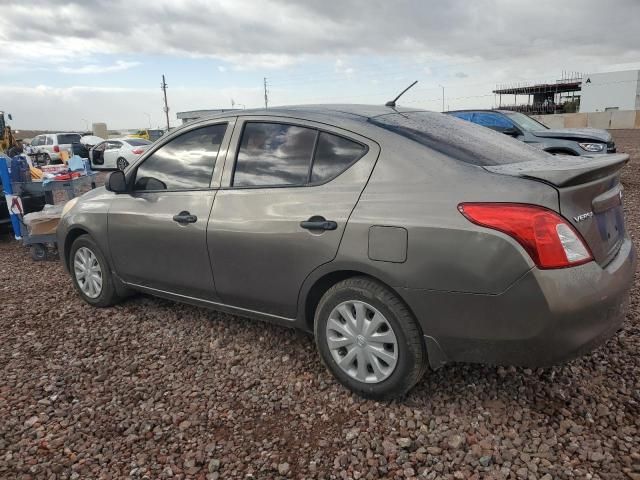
186	162
526	123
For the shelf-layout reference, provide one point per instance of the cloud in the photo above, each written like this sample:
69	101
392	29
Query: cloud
48	107
363	50
91	69
267	33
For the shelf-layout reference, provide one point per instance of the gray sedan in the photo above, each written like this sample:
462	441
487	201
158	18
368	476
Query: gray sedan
401	239
559	141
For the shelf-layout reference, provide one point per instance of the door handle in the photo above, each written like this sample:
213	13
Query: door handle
185	217
318	223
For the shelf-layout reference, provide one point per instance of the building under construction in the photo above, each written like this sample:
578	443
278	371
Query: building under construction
562	96
574	92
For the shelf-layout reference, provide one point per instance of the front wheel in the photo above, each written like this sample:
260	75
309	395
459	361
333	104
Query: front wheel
91	273
122	163
369	340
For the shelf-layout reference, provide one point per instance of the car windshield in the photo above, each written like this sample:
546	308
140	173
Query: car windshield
459	139
137	142
525	122
66	138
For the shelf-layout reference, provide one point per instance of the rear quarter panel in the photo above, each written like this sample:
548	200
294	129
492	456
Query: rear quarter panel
418	189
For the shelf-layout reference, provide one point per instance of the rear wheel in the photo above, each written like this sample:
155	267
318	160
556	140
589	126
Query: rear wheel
369	340
91	273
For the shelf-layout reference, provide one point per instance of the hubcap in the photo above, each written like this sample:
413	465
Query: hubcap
362	342
87	271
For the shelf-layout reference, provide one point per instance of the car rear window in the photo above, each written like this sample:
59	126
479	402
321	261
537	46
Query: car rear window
137	142
66	138
274	154
333	156
459	139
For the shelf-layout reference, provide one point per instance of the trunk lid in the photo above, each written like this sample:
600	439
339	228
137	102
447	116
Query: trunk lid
589	193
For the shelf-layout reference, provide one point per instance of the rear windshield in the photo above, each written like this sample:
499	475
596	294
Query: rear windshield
66	138
459	139
137	142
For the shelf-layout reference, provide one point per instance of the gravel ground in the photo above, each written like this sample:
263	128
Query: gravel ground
152	389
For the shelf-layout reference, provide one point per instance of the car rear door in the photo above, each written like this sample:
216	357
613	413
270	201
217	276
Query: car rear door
287	193
111	153
157	231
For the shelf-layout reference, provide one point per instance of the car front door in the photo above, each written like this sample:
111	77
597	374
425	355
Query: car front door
287	194
157	231
96	154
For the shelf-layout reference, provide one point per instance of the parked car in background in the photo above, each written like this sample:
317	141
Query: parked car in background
117	153
563	141
148	134
46	148
399	237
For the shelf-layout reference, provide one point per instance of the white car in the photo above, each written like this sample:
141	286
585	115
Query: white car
117	153
47	147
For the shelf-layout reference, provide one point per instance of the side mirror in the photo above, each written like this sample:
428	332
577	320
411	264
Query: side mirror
513	132
117	182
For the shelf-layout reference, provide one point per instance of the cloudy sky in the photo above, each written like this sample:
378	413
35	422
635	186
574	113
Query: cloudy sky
64	65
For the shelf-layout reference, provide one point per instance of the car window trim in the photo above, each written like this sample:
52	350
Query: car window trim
308	183
149	153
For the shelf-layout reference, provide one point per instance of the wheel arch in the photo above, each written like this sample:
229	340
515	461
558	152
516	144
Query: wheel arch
561	151
316	285
74	233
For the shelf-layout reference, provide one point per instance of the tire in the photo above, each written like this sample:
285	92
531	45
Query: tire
122	163
106	295
38	252
409	349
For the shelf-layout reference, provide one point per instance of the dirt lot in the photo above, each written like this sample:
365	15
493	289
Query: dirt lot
152	389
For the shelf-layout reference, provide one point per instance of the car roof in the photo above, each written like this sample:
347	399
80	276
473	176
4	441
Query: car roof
345	112
347	116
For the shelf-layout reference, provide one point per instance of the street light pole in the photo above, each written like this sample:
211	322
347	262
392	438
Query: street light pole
442	86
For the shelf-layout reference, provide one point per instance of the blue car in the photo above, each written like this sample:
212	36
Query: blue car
561	141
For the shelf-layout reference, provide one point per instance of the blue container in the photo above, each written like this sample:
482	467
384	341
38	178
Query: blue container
5	177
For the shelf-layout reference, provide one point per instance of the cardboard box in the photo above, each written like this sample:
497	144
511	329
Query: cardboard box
44	222
44	226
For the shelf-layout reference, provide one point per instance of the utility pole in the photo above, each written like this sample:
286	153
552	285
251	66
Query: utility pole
442	86
166	105
266	94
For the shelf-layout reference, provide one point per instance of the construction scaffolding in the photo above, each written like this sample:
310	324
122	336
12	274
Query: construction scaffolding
561	96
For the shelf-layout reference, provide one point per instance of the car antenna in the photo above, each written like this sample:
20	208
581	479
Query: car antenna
392	103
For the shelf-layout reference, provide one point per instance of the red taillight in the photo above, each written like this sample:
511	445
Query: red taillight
137	151
56	148
547	237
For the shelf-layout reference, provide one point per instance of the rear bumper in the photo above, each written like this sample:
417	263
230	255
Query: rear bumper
546	317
